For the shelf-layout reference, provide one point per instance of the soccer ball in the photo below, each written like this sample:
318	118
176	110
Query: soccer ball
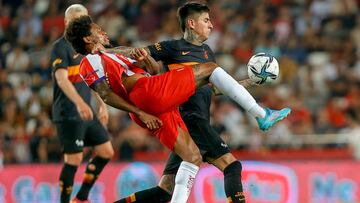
263	68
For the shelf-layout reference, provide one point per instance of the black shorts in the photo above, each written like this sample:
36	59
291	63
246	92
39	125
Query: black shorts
206	138
75	135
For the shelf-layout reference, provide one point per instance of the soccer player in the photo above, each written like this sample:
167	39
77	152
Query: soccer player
74	118
112	76
196	25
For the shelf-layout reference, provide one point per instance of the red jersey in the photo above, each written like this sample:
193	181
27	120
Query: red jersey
95	68
159	95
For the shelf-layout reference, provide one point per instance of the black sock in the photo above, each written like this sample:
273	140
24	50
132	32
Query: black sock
66	182
153	195
93	169
232	180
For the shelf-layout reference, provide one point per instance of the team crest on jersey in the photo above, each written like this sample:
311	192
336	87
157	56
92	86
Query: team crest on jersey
157	46
206	55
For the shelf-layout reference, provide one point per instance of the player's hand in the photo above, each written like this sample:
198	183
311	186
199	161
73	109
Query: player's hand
139	54
103	115
151	122
84	111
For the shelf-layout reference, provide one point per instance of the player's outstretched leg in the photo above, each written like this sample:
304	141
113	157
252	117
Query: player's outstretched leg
230	87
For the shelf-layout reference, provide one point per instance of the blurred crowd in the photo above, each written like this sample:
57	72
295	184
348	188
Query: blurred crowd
317	44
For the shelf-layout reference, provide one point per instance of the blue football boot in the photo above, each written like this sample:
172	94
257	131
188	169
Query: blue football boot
272	117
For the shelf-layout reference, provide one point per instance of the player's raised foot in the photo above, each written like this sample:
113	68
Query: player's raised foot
272	117
76	200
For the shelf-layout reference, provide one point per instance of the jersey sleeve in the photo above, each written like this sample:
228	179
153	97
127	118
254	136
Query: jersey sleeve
161	51
92	70
59	57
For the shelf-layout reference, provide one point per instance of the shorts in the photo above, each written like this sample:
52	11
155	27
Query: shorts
161	96
206	138
75	135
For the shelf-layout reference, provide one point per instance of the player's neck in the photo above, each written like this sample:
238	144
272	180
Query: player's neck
94	48
192	37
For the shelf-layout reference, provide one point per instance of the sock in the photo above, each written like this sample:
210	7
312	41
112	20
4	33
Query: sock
153	195
93	169
232	181
184	181
66	182
231	88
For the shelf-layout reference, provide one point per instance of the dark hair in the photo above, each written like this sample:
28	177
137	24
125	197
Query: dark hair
76	31
188	9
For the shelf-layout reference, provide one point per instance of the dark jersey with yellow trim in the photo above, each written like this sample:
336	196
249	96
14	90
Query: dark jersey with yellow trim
63	56
173	54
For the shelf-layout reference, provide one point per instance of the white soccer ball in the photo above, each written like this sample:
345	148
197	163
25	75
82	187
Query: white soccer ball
263	68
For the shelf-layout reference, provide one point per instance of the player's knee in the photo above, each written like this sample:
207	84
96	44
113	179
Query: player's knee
193	156
73	159
233	168
108	153
105	151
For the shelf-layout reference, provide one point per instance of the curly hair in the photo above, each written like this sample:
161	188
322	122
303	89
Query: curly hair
76	31
188	9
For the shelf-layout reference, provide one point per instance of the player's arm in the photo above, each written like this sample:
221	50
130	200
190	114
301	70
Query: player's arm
112	99
102	112
84	110
141	55
123	50
144	60
246	83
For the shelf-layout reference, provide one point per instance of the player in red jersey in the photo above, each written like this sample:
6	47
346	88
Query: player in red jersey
113	77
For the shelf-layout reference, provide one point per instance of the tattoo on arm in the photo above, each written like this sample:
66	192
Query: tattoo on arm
126	51
114	100
102	89
197	72
147	50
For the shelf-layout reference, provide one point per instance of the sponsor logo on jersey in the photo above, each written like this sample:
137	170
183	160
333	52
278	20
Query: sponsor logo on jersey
206	55
75	56
91	74
56	62
185	53
157	46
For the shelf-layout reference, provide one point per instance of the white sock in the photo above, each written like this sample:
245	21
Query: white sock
184	181
231	88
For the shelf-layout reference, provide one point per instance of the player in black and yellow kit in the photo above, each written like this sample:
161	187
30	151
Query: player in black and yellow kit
196	25
74	119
